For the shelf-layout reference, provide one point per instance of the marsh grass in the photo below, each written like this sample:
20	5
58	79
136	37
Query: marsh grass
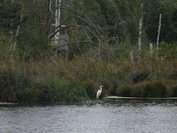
77	81
111	85
124	90
158	88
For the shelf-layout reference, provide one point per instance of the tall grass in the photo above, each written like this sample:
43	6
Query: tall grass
78	81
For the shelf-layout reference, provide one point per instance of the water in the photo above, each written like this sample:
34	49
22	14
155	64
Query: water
100	118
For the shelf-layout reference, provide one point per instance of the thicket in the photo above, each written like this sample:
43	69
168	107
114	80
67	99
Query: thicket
102	49
77	81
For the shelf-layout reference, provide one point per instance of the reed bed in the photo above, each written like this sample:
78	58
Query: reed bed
77	81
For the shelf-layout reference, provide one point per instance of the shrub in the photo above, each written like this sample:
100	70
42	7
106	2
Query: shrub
168	51
149	89
171	87
138	89
111	85
140	76
45	81
29	95
74	93
155	89
124	90
91	89
174	91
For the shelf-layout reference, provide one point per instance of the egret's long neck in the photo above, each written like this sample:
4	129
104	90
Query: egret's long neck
100	87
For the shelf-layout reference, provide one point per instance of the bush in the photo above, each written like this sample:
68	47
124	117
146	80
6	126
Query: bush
29	95
91	89
155	89
174	91
149	89
74	93
138	89
140	76
168	51
45	81
124	90
144	89
110	85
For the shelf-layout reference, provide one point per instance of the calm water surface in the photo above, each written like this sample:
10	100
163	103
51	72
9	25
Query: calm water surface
99	118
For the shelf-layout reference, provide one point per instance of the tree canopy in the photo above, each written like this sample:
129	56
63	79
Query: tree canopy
27	26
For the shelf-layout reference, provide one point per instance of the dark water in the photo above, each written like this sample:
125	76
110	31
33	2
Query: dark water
100	118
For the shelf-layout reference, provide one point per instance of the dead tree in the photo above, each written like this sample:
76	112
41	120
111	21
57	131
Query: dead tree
57	20
158	35
89	26
151	49
140	34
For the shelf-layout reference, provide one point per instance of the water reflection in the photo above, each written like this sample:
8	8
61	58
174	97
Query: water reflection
99	118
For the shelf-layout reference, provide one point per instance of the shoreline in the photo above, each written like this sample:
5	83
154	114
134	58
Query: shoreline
118	98
7	103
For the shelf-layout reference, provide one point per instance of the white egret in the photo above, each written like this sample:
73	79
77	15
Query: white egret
98	94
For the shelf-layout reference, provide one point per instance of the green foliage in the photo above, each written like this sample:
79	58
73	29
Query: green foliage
139	76
173	91
6	49
75	94
91	89
59	82
150	89
168	51
29	95
33	44
102	35
124	90
18	85
167	8
10	18
113	22
144	89
13	80
111	85
155	89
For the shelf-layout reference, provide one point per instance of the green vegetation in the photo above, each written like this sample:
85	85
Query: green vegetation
102	49
74	82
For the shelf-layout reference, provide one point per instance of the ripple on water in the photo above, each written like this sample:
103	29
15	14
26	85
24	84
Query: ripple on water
99	118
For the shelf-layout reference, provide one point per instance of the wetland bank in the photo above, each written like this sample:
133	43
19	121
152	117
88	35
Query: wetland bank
62	55
58	52
75	81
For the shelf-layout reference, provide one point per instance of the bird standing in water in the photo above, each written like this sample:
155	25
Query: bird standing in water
98	94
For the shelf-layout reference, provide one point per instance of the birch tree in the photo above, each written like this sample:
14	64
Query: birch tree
57	20
151	49
18	27
140	34
158	35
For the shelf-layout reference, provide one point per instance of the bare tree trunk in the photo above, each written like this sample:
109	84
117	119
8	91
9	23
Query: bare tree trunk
140	34
12	2
131	56
158	35
139	39
57	20
11	24
18	28
50	6
151	49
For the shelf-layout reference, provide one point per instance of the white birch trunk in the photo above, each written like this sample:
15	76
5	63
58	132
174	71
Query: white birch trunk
140	34
158	35
131	56
12	2
139	39
18	27
11	25
151	49
57	20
